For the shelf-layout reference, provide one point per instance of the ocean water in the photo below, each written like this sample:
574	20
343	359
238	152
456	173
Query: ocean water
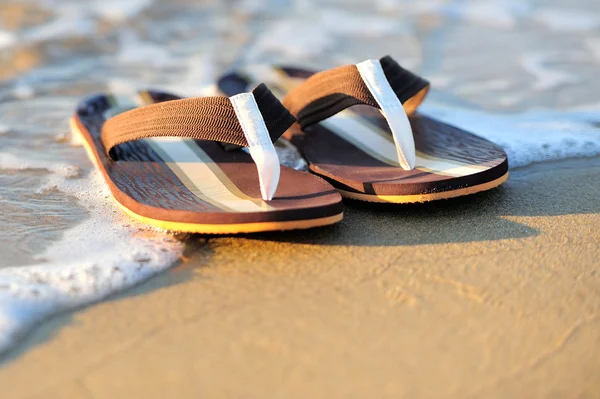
523	73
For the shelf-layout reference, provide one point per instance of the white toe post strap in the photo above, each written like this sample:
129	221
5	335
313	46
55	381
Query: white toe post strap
381	84
374	77
260	145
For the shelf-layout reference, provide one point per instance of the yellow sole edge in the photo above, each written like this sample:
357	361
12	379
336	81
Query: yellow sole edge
234	228
409	199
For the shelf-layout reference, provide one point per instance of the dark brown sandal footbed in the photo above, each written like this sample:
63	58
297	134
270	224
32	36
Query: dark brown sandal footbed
355	152
190	185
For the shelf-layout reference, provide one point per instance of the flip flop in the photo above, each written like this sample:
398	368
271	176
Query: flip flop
169	162
358	129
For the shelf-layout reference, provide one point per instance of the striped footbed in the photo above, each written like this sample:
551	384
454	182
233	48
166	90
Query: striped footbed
355	151
189	180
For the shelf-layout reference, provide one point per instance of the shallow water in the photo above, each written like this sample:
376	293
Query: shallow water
522	73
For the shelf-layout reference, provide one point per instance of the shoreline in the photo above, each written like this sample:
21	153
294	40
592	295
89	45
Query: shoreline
496	288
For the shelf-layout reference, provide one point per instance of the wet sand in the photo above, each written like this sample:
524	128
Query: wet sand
493	295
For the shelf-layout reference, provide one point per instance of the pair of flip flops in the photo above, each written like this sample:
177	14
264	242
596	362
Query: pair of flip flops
209	164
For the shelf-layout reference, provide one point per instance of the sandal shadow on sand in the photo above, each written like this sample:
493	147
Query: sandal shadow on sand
358	128
179	164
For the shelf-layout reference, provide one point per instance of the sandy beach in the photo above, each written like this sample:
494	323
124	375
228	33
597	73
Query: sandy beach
489	296
494	295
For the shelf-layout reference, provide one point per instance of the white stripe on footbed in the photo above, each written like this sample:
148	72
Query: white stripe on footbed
378	144
392	109
196	170
260	145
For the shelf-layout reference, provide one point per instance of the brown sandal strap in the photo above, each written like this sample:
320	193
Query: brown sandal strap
326	93
202	118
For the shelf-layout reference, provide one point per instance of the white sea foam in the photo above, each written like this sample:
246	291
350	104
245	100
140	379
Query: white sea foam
7	39
345	23
193	82
67	25
593	44
104	254
532	136
546	77
501	14
490	13
292	39
117	10
13	162
23	91
568	20
133	50
79	19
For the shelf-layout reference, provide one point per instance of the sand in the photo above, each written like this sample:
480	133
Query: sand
494	295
